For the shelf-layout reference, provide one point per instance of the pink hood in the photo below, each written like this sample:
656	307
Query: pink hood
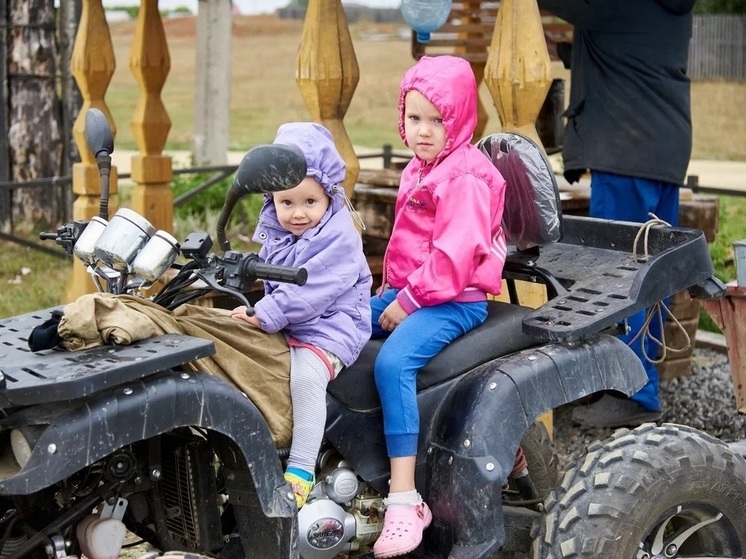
457	104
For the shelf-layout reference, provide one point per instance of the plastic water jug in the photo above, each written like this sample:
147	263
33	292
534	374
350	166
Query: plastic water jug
425	16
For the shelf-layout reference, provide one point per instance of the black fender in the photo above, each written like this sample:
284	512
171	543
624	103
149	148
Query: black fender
479	427
84	431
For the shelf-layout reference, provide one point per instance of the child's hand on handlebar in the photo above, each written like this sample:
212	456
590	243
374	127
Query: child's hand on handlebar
392	316
240	314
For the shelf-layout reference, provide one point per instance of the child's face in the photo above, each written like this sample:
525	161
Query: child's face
423	126
301	208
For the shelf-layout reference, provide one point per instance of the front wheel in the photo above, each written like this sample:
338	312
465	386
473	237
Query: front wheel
651	493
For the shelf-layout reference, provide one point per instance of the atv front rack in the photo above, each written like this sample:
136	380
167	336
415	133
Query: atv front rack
598	282
56	375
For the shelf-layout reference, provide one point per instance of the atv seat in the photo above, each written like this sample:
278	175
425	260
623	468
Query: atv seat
532	216
501	334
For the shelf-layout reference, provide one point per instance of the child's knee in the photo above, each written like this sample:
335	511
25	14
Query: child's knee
387	366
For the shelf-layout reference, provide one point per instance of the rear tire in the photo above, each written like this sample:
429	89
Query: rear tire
668	491
541	458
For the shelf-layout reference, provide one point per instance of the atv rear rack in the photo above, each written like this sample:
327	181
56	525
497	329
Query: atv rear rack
598	282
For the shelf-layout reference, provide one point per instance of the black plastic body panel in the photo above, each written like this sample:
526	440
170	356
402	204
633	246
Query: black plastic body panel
480	425
79	433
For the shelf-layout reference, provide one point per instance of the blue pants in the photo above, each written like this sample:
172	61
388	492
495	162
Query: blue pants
407	349
626	198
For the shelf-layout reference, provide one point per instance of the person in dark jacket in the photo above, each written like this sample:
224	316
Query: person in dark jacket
629	123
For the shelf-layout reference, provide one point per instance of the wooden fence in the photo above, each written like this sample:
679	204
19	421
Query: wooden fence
718	48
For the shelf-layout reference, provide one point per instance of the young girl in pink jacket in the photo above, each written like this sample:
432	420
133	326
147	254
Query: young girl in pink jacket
446	253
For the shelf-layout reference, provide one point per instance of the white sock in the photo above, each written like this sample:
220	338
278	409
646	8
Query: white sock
403	498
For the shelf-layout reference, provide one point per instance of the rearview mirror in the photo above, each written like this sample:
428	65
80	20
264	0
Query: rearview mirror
269	168
98	132
265	168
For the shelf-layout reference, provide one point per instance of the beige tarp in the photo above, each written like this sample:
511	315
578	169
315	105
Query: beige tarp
256	362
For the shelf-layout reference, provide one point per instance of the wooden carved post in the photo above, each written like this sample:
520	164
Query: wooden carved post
92	66
473	18
151	171
518	73
327	75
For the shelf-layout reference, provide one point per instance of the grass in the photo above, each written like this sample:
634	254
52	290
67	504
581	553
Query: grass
731	227
30	279
264	95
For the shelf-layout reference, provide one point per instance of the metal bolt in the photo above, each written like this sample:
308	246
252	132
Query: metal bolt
52	448
490	466
493	385
290	496
532	357
430	450
450	461
127	391
155	474
185	376
467	443
672	550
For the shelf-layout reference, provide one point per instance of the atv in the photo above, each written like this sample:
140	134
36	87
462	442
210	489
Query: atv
124	438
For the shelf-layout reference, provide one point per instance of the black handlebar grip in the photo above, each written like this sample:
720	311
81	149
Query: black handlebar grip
47	236
271	272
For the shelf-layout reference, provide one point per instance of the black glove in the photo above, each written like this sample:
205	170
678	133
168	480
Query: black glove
573	175
45	335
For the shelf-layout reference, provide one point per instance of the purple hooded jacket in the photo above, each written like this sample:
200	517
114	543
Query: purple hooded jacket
332	310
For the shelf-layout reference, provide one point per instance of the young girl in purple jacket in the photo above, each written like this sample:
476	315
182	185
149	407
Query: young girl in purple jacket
327	320
446	253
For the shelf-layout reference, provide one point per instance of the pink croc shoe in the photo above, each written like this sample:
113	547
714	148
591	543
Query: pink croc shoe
402	530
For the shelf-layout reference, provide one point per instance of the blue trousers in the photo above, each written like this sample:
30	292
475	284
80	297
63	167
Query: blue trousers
406	350
626	198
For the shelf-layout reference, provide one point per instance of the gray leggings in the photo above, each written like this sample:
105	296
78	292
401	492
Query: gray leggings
309	376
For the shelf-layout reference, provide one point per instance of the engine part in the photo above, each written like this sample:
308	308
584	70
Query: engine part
342	485
325	529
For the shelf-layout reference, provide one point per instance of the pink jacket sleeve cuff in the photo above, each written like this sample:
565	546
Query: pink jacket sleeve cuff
406	301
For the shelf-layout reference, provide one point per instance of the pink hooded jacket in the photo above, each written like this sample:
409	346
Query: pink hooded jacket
447	242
